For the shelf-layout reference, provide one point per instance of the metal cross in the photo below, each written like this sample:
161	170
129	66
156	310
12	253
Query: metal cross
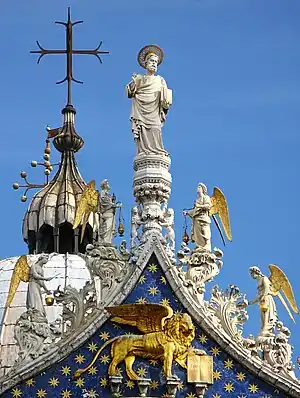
69	51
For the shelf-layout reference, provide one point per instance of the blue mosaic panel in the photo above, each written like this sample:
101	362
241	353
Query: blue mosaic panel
230	378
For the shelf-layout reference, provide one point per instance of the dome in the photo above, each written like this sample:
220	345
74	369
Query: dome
47	225
69	269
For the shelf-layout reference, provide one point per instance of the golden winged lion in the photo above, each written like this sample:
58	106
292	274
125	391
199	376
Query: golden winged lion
167	337
204	208
267	288
88	203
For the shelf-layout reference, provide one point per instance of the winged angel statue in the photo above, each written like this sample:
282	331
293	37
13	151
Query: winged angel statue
34	275
98	203
167	337
204	208
267	288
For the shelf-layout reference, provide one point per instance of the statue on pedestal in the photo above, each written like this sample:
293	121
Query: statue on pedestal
151	100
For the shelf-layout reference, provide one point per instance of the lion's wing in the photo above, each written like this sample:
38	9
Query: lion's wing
147	318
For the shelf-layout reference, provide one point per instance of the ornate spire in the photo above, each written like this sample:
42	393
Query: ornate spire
47	225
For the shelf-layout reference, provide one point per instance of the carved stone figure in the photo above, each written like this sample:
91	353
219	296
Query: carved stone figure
34	336
267	287
103	205
167	337
205	207
107	213
34	275
168	223
136	222
36	285
151	100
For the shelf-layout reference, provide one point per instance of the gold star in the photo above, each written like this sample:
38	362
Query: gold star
241	376
153	291
216	396
253	388
66	394
190	395
53	382
104	336
180	386
79	358
41	393
116	326
163	280
103	382
104	359
141	300
142	279
92	394
92	370
153	362
203	339
165	302
154	384
228	364
65	370
92	347
217	375
30	383
152	267
141	372
16	392
79	382
130	384
229	387
215	351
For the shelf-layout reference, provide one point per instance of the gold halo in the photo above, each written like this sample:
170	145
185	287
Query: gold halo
150	49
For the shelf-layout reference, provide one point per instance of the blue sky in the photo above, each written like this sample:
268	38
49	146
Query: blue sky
234	67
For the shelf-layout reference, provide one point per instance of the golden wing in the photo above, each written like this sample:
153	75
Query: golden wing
20	273
147	318
88	203
279	281
219	206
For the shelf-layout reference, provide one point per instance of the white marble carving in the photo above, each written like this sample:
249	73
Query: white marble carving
107	214
151	100
202	267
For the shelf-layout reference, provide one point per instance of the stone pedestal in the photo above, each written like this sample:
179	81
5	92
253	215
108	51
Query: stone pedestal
143	386
152	188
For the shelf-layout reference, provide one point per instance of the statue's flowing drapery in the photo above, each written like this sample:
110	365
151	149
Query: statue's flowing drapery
147	114
34	298
201	232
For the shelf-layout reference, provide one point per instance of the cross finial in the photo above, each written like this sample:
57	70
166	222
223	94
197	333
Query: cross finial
69	51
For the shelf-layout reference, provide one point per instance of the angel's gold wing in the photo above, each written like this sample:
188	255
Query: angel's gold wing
219	206
147	318
88	203
279	281
20	273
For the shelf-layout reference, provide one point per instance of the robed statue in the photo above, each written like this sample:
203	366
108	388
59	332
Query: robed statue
34	275
151	100
267	289
204	208
102	205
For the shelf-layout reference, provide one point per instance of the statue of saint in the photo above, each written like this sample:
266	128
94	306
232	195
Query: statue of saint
201	232
107	213
151	100
36	283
